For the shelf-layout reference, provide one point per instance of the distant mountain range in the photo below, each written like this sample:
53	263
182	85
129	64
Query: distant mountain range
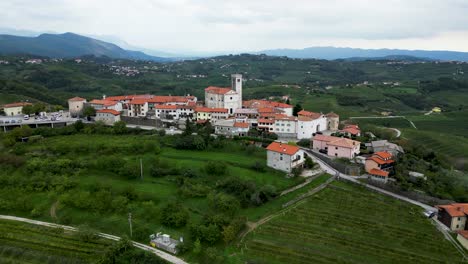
68	45
333	53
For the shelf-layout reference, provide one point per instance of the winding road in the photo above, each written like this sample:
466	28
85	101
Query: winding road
166	256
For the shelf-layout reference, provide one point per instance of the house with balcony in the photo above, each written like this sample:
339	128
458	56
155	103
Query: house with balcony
284	157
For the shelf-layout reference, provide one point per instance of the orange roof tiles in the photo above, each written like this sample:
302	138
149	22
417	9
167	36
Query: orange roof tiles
217	90
344	143
108	111
16	104
325	138
264	104
380	161
76	99
173	107
283	148
456	209
331	114
103	102
463	233
379	172
211	110
127	97
312	115
263	120
383	154
241	125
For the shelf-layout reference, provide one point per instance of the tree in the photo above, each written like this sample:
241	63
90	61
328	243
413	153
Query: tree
89	111
174	214
189	129
297	108
120	127
197	248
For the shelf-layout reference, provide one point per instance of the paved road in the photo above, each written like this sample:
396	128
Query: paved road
332	171
162	254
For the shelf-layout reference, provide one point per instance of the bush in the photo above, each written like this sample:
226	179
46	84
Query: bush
304	143
216	168
174	214
224	203
258	166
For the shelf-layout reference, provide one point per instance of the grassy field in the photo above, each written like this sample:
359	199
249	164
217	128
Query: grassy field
347	224
145	197
25	243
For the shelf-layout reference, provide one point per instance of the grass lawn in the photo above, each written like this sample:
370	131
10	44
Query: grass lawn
25	243
348	224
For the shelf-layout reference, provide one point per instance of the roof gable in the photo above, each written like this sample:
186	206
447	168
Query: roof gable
283	148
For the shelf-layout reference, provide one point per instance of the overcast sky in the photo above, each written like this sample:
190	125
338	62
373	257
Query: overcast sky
250	25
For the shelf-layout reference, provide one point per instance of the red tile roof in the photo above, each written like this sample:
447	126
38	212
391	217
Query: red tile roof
263	120
166	107
127	97
76	99
380	161
283	148
312	115
108	111
378	172
103	102
211	110
16	104
139	101
463	233
264	104
241	125
351	130
331	114
217	90
344	143
456	209
383	154
325	138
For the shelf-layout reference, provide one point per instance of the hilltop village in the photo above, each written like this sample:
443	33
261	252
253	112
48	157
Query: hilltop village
299	143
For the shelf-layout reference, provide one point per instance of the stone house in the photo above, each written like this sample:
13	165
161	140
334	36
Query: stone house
454	216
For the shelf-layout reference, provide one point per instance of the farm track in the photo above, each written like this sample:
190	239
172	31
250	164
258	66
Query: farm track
166	256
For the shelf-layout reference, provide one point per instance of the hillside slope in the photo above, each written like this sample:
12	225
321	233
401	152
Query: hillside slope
67	45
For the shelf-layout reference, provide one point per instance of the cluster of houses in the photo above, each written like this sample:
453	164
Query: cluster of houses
223	107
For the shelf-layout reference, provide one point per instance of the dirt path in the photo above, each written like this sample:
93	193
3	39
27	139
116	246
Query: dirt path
168	257
53	210
251	226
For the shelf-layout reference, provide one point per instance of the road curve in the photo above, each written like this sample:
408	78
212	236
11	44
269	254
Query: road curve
332	171
166	256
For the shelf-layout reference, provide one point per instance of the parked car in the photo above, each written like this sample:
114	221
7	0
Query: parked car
1	121
19	121
26	117
324	151
13	121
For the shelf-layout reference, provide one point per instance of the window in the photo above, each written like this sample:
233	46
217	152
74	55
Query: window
336	147
457	226
281	158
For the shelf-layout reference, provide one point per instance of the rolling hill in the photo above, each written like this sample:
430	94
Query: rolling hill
332	53
67	45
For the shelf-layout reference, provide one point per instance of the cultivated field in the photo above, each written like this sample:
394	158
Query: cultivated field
347	224
25	243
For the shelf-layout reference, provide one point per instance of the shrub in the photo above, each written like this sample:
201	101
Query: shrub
174	214
216	168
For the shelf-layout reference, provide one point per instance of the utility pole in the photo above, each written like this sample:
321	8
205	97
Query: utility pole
141	169
130	223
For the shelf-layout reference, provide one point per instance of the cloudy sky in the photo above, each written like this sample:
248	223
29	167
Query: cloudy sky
250	25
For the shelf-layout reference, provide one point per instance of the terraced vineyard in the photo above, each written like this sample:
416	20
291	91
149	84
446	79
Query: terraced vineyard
25	243
348	224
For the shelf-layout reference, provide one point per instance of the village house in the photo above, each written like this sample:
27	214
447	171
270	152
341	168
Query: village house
462	237
286	127
208	114
231	127
351	130
105	104
380	164
14	108
265	106
284	157
384	145
228	98
309	123
108	116
336	146
76	106
454	216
